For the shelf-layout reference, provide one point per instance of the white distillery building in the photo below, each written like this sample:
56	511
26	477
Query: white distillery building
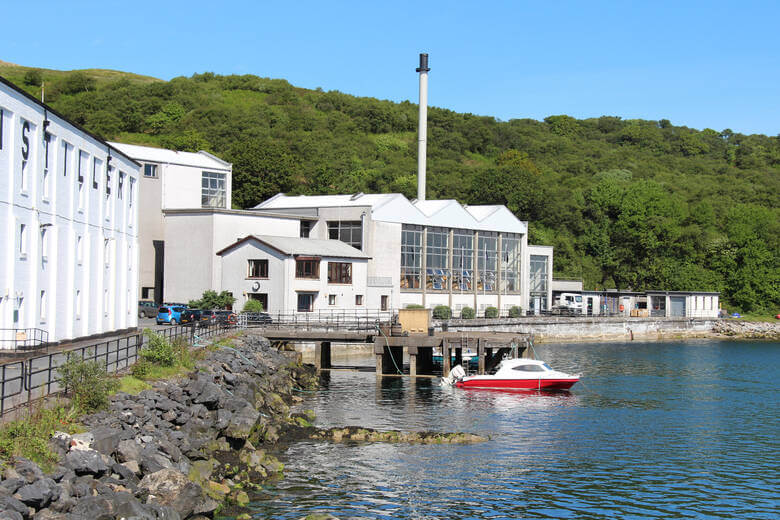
68	224
172	181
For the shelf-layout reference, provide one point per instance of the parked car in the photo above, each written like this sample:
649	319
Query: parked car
147	309
258	317
225	317
191	316
170	314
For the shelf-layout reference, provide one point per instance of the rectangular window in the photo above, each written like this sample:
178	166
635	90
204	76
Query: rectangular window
42	307
510	263
120	184
105	302
95	167
150	170
358	299
538	280
78	304
306	226
65	153
261	297
339	272
108	180
147	293
305	302
411	256
212	193
384	302
106	251
462	260
44	245
46	142
79	250
348	231
258	269
307	268
487	261
82	166
437	261
331	299
130	190
22	241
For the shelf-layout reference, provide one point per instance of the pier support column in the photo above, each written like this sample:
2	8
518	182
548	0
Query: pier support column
379	353
322	355
481	355
413	361
445	358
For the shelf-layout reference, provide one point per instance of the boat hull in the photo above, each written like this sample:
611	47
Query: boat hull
521	384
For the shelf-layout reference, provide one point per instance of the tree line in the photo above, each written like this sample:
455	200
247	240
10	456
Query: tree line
628	204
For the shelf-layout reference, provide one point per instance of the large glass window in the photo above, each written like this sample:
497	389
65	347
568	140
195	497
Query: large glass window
305	302
487	261
257	268
437	267
510	263
212	193
339	272
411	256
538	274
462	260
307	268
349	231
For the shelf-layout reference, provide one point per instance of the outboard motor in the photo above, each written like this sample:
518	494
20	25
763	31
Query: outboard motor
456	374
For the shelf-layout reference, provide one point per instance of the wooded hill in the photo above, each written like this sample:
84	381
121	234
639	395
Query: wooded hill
626	203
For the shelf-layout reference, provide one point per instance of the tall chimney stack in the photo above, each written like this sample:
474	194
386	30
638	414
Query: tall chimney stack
423	125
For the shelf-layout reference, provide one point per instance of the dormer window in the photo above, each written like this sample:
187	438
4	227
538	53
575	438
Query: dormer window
150	170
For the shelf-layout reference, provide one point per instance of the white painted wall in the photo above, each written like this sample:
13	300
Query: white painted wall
41	277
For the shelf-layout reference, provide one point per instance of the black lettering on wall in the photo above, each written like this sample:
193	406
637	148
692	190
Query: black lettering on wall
25	140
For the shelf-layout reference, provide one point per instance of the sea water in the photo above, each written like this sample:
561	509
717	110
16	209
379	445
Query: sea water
653	430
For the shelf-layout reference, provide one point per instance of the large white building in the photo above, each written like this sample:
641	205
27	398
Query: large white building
68	225
171	181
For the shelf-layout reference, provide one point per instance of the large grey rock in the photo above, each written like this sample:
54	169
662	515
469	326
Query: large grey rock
48	514
210	396
128	450
10	515
93	508
85	462
27	469
132	508
105	439
242	422
12	484
9	503
39	494
169	487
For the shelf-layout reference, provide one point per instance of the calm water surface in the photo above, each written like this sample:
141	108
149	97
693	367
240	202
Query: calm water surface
653	430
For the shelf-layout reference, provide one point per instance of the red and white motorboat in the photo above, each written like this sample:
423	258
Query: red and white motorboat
518	373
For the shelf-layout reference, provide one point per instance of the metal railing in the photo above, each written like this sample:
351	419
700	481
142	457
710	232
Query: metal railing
23	340
343	319
22	382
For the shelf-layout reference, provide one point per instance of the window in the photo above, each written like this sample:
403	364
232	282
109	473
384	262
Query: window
78	304
350	232
510	263
212	190
331	299
411	256
79	250
305	302
487	261
538	274
82	169
108	180
44	245
306	226
339	272
130	189
47	137
437	263
65	153
462	260
22	241
106	251
358	299
261	297
258	269
307	268
529	368
147	293
106	302
42	307
120	184
384	301
95	168
150	170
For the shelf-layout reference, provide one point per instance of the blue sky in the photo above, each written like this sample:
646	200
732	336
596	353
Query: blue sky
700	64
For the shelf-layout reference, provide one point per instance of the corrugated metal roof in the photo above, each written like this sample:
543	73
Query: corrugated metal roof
164	156
303	246
394	207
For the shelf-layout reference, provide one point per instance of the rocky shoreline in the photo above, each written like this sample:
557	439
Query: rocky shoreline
747	329
188	448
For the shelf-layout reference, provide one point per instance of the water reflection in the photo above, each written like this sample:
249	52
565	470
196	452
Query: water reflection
654	430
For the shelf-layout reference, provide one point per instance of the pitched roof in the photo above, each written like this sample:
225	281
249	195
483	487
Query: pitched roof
302	246
161	155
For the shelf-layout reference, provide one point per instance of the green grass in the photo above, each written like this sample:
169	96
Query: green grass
759	317
133	386
29	437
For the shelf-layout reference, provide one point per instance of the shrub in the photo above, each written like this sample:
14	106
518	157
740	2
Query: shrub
141	370
33	77
491	312
442	312
159	350
415	306
87	383
212	300
515	311
467	313
253	306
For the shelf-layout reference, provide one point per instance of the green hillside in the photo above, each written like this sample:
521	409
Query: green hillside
626	203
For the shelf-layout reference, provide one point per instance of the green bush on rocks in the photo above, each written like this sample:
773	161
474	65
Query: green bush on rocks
467	313
491	312
442	312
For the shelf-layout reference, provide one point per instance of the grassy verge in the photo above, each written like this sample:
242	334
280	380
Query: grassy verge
29	436
758	317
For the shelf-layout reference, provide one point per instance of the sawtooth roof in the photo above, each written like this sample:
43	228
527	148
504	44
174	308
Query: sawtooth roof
295	246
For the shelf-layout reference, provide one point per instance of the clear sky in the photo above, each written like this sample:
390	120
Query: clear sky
702	64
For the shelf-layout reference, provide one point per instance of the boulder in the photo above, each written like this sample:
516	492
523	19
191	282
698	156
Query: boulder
128	450
27	470
171	488
242	422
39	494
105	439
9	503
85	462
93	508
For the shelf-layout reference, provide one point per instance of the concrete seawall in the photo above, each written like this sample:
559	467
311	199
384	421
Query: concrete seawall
588	328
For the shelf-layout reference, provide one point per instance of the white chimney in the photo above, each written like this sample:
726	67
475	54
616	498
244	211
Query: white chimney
423	133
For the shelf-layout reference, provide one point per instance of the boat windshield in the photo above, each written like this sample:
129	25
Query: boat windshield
545	365
529	368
